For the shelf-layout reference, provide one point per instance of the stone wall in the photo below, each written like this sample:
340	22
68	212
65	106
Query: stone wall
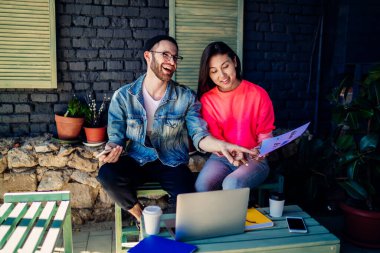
42	164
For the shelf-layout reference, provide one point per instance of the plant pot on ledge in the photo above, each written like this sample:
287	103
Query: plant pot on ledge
95	134
68	128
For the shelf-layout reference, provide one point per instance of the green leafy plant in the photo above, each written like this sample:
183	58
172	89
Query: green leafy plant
354	146
75	108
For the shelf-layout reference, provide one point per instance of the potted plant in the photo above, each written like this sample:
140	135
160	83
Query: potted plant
70	123
355	156
95	122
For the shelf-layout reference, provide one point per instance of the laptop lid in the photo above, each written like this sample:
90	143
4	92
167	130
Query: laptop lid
210	214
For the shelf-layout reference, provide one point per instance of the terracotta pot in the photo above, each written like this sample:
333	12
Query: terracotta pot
361	226
68	128
95	134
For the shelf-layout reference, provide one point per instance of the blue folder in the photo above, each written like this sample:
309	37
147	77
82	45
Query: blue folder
159	244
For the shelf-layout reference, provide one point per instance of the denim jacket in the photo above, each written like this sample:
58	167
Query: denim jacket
177	116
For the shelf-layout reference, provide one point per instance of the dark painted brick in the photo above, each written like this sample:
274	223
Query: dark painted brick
38	128
97	43
84	1
93	76
42	108
257	17
6	108
62	66
91	10
89	32
295	9
276	66
102	2
101	21
95	65
99	86
282	18
14	118
22	108
73	8
120	22
132	65
271	36
156	3
147	34
155	23
137	3
121	11
13	98
81	20
134	44
68	54
116	44
122	33
5	130
87	54
264	46
120	2
268	8
137	22
65	97
255	36
20	129
115	85
60	108
114	65
278	28
111	54
64	42
281	8
65	86
263	66
306	19
38	97
263	27
104	33
82	86
41	117
108	76
278	46
77	66
81	43
292	67
154	12
71	32
64	20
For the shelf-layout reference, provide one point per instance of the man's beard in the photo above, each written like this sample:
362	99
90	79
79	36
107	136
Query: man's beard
156	68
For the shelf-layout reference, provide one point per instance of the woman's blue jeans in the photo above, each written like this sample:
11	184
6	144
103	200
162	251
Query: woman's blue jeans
218	173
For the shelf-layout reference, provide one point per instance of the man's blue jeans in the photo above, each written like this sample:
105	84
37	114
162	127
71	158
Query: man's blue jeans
218	173
121	179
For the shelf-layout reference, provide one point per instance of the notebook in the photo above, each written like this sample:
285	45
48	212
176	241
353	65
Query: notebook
209	214
255	219
159	244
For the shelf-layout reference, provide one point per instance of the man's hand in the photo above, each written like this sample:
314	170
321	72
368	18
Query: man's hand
113	155
235	154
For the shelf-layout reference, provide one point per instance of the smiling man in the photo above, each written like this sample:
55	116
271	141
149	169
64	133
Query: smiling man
154	115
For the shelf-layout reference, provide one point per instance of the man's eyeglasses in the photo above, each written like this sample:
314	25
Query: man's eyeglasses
168	57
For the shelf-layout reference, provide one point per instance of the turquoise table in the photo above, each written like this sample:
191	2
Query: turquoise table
273	239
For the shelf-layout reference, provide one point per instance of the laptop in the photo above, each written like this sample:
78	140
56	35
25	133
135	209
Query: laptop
209	214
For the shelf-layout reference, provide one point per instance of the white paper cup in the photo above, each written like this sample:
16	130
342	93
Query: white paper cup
276	204
152	216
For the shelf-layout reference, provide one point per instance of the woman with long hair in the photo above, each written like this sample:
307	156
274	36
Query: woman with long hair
237	111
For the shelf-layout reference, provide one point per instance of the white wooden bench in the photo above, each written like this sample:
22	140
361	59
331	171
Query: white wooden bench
32	222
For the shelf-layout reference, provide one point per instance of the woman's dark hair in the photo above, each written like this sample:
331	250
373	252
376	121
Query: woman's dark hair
204	81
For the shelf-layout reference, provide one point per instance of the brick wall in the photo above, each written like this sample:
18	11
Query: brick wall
278	40
99	47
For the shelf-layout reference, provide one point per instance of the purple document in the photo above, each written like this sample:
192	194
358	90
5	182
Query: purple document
270	144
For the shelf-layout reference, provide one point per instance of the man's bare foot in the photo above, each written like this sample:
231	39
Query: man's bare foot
136	211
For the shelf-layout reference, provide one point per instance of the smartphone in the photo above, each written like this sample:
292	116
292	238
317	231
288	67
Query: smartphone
104	152
296	225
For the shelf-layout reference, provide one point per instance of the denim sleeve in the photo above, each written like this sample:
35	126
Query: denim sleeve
196	126
116	128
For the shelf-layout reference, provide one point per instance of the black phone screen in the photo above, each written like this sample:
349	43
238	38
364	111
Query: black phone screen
296	223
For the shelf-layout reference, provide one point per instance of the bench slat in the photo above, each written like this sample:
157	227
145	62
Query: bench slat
55	228
36	234
5	209
20	233
36	196
14	217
